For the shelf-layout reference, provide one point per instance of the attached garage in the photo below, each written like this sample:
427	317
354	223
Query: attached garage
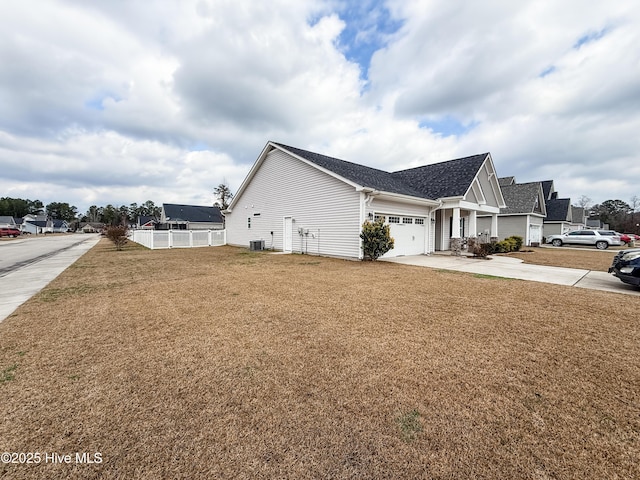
409	234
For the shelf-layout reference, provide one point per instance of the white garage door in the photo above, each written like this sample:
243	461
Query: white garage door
408	234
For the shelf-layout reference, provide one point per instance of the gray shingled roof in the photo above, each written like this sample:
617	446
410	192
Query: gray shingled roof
577	214
9	220
520	197
547	188
445	179
192	213
440	180
359	174
558	210
504	181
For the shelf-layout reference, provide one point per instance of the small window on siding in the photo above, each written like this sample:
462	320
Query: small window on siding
249	222
394	219
419	221
407	220
377	218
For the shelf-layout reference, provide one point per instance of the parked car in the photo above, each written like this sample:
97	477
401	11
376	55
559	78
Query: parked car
624	238
626	266
9	232
633	236
601	239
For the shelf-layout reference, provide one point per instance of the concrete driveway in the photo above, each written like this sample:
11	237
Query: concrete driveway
508	267
28	265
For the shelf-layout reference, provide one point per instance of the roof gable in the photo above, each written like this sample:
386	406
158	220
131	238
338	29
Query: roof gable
445	179
523	198
191	213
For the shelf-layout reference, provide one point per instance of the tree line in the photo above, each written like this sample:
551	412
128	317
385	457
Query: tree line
108	215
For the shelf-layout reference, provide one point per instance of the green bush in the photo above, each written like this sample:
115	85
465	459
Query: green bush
518	241
376	239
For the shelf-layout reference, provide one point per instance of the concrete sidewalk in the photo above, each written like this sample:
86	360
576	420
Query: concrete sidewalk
508	267
20	285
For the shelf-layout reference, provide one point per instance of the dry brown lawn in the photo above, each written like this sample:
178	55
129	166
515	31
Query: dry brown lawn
583	258
221	363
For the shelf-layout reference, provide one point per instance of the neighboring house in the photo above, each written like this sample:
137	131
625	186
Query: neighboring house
60	226
8	222
578	218
558	220
300	201
190	217
524	214
91	227
37	227
596	224
146	222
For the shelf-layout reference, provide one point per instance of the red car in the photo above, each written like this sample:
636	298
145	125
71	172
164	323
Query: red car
9	232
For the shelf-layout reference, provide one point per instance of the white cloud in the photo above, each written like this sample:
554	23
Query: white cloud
119	102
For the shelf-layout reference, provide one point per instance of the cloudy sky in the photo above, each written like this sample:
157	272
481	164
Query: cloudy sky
121	101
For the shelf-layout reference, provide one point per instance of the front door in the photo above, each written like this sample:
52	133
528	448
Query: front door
287	234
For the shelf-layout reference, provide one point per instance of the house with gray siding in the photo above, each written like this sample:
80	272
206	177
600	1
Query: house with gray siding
295	200
524	213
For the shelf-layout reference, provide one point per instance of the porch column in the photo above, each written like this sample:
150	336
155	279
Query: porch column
473	228
494	225
455	225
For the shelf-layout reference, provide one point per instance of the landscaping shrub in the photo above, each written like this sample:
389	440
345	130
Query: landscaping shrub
376	239
118	235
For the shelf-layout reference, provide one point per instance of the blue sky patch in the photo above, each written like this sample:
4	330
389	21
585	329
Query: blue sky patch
547	71
448	126
368	25
592	36
97	101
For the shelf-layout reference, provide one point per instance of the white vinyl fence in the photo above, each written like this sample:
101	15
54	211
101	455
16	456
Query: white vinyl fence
155	239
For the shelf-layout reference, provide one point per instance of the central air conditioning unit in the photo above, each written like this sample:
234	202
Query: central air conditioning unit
256	245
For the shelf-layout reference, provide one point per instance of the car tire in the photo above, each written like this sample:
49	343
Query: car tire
556	242
602	245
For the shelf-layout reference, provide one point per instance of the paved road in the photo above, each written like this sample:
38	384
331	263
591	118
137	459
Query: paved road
29	264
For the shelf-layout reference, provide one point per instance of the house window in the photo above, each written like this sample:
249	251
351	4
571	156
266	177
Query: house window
249	222
419	221
379	218
407	220
394	219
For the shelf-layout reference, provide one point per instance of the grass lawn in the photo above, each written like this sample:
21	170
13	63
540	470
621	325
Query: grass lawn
583	257
223	363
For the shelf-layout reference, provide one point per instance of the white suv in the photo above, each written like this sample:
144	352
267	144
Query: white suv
601	239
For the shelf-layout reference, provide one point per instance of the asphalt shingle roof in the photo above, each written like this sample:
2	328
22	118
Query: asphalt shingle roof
547	188
359	174
520	197
558	210
192	213
504	181
445	179
440	180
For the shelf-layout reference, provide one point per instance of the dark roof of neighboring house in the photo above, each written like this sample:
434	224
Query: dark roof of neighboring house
558	210
192	213
365	176
144	219
505	181
38	223
547	188
520	197
59	223
7	219
445	179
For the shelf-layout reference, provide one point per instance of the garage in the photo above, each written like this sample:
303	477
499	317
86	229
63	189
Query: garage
409	234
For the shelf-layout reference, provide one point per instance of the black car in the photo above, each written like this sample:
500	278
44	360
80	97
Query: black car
626	266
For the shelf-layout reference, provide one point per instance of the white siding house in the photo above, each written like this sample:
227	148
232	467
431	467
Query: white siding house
299	201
